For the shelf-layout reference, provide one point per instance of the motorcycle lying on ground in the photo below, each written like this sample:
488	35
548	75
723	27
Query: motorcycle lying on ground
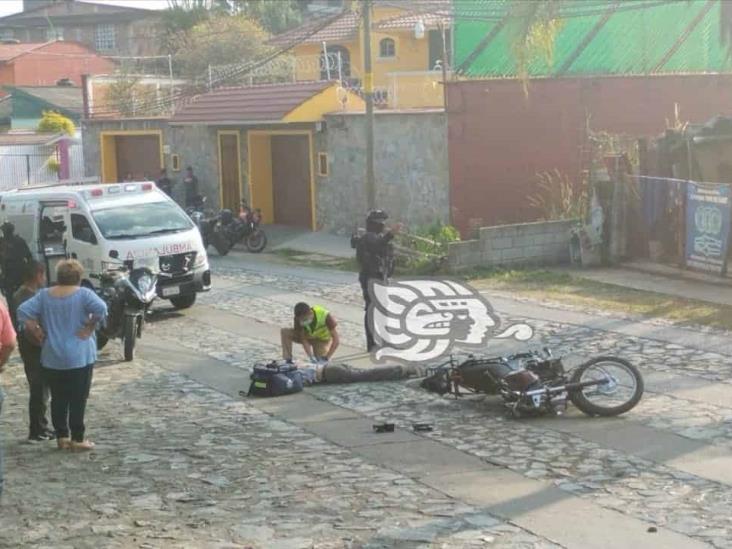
244	227
128	294
536	383
210	227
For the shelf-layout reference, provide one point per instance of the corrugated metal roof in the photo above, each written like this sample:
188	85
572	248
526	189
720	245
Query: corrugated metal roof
66	98
631	41
18	139
267	103
8	52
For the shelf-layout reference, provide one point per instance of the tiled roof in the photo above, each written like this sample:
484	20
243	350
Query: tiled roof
267	103
431	12
18	139
9	52
66	98
343	27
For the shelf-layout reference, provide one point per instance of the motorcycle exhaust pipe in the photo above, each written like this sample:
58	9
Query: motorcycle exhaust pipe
563	388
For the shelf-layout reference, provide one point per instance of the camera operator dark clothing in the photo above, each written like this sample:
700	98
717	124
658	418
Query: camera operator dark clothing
30	352
374	252
14	258
190	184
165	184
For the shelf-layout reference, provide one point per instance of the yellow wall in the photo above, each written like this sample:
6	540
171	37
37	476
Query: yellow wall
260	174
325	102
411	54
109	159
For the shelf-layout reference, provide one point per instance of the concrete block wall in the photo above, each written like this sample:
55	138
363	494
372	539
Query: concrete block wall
537	244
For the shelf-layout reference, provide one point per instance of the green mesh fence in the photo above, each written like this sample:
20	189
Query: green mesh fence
640	37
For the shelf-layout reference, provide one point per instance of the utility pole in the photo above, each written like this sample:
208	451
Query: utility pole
368	88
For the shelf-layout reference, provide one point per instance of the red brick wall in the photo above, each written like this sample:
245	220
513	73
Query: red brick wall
46	66
499	139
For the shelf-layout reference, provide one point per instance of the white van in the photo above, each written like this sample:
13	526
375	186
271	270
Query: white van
106	226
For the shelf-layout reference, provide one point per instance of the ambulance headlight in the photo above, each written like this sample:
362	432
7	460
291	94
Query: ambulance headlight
201	261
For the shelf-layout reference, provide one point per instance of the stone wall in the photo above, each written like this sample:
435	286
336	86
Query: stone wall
411	164
411	169
194	145
541	243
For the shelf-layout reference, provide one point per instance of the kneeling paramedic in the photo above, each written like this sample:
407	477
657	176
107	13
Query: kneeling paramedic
315	329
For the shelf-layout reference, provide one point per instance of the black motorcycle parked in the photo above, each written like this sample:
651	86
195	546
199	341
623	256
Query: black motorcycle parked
128	294
244	227
210	226
536	383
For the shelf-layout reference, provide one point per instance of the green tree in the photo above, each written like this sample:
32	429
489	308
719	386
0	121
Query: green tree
53	122
274	17
219	40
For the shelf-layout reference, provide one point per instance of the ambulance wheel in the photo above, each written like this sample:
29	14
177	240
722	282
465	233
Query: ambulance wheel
183	301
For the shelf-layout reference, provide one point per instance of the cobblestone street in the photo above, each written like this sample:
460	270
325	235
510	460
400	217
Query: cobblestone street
183	461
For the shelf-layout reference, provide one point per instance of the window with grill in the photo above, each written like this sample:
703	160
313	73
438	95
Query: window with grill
387	48
54	33
7	34
106	37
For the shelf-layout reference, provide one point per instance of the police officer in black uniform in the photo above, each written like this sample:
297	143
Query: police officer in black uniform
15	256
375	255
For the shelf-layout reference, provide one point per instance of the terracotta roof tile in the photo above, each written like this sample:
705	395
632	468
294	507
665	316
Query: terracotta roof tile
267	103
344	27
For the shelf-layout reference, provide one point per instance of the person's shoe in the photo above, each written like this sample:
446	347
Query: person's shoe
84	446
42	437
64	443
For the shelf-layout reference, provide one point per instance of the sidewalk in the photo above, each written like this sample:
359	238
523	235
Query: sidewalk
651	277
308	242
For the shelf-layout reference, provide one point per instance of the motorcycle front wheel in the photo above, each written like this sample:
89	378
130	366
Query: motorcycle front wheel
256	241
221	243
621	388
130	337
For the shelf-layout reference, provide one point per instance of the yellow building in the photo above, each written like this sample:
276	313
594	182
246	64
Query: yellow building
406	46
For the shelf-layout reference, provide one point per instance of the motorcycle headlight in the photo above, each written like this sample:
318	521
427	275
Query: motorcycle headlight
145	283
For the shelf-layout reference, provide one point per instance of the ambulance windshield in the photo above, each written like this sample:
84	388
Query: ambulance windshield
142	220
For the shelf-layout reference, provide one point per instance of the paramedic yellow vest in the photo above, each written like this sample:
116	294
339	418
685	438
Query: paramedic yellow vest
318	330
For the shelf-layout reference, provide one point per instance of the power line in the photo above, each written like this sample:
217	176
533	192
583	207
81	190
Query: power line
201	84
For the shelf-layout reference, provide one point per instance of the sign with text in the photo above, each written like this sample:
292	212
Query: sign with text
707	226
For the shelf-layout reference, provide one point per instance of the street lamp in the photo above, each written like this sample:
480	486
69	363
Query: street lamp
419	30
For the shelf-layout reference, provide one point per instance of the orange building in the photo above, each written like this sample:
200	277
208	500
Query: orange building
44	64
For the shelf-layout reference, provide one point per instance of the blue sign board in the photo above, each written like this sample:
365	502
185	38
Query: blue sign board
707	226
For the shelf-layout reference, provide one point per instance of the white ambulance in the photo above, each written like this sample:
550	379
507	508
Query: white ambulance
107	226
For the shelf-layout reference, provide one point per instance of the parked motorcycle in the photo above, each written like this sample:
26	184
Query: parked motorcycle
210	226
536	383
244	227
128	294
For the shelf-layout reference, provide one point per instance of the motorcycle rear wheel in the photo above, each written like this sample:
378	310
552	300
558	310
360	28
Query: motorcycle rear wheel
620	394
257	241
129	337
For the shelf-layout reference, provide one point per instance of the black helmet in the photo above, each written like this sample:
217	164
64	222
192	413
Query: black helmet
7	228
377	216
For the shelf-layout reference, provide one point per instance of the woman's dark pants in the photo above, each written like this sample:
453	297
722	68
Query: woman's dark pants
69	392
38	402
